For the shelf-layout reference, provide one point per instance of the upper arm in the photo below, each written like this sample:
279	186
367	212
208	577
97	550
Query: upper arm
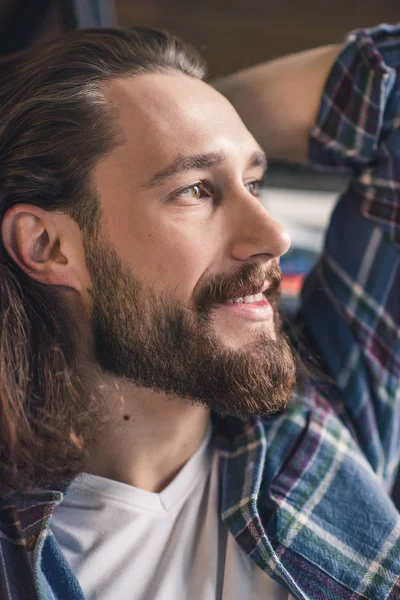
351	300
278	100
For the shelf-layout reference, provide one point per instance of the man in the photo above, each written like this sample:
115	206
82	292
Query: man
142	357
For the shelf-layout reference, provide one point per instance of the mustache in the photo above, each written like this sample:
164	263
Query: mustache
246	281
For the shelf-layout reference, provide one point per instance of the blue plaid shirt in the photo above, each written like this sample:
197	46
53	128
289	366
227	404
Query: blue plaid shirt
306	493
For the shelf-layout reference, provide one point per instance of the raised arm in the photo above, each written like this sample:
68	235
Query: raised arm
279	100
351	301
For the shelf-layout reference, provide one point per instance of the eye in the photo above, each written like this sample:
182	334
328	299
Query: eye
253	187
192	193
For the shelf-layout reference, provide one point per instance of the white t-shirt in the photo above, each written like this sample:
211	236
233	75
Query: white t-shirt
129	544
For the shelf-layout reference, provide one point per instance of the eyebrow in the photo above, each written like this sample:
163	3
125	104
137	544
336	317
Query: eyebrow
200	161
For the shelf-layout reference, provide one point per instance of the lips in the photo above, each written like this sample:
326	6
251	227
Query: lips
243	292
250	280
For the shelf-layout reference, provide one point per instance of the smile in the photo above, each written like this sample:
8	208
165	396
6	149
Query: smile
255	308
250	298
247	299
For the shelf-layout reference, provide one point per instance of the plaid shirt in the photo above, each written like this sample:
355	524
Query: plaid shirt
305	493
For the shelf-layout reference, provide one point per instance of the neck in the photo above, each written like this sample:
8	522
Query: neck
148	436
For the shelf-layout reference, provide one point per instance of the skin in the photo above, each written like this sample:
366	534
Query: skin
172	240
263	96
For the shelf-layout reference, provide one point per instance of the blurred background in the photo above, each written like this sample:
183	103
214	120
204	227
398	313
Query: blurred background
231	35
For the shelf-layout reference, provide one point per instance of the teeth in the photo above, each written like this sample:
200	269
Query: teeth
247	299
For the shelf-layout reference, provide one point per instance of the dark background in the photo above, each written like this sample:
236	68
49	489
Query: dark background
231	34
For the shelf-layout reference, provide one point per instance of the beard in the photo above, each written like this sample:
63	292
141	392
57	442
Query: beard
154	341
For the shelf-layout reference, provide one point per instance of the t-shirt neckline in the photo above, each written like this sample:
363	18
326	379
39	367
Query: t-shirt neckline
197	468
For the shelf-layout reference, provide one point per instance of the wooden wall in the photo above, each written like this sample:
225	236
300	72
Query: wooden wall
233	34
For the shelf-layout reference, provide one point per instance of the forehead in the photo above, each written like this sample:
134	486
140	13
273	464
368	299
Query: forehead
162	116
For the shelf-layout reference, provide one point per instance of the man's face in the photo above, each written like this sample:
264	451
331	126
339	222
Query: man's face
183	234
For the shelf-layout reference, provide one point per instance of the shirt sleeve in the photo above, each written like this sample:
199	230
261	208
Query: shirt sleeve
351	300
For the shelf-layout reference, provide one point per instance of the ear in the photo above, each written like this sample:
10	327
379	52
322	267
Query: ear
46	245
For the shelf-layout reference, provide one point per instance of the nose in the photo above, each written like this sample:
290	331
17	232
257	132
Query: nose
255	232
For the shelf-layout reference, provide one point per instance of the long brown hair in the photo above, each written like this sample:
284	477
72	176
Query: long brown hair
55	125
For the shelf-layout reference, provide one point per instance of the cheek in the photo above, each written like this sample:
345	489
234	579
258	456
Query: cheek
170	255
177	261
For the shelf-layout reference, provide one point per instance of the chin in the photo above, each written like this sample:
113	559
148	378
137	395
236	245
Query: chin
236	340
